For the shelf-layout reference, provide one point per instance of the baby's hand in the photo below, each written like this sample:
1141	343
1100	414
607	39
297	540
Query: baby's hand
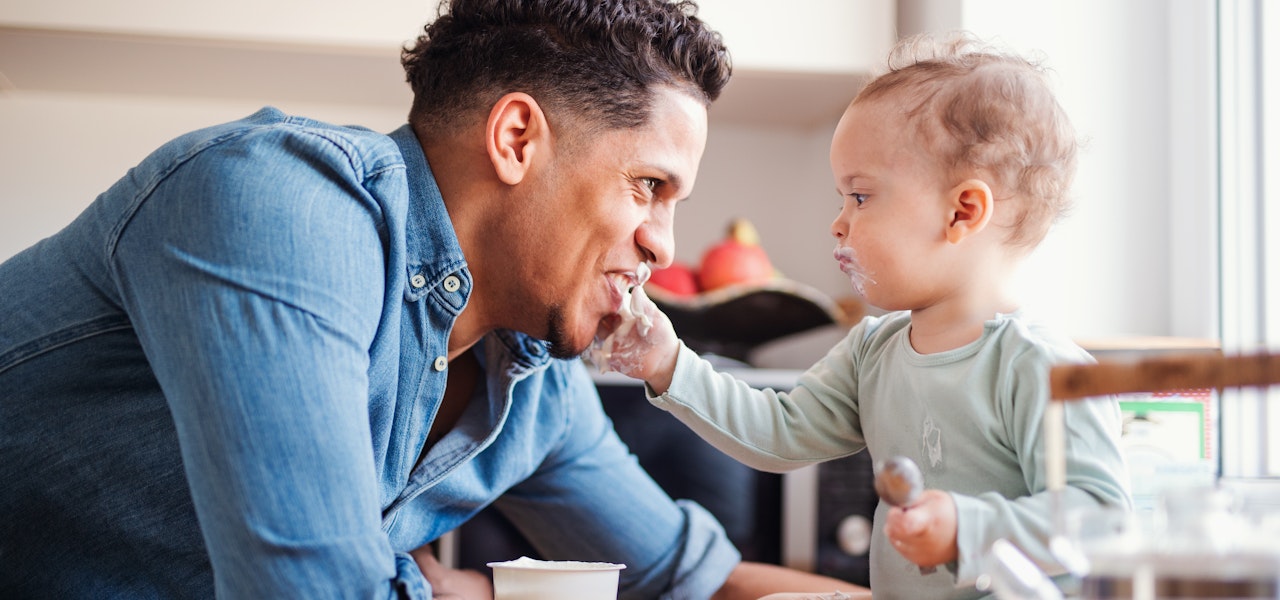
925	533
638	341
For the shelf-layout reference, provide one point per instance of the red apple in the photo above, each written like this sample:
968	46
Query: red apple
677	279
738	259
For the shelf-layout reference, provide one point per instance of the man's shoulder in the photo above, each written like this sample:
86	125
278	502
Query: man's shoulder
272	136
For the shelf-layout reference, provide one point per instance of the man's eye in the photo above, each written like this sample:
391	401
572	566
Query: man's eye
650	183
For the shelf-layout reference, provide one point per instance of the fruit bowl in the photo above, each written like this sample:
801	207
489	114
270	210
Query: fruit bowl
732	321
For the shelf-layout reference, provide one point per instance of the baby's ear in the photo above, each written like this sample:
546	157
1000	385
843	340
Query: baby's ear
970	207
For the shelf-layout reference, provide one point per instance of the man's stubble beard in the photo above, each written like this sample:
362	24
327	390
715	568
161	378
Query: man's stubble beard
557	336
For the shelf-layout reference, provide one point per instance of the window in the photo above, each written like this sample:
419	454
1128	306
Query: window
1249	217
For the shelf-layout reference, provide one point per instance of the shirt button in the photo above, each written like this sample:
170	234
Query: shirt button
417	281
441	363
451	283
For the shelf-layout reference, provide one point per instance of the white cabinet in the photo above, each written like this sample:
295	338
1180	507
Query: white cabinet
370	23
324	51
804	36
797	63
816	36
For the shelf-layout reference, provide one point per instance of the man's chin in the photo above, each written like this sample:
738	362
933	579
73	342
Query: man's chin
563	347
562	352
561	343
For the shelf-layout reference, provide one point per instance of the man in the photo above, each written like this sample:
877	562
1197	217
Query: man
279	358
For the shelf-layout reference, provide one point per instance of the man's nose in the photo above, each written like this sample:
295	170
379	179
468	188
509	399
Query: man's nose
657	241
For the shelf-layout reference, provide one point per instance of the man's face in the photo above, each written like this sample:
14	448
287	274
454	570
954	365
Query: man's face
603	207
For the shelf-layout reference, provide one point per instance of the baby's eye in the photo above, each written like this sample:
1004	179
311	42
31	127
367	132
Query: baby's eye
859	198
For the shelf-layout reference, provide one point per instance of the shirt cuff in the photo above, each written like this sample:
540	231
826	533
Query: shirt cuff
708	559
409	581
686	361
968	538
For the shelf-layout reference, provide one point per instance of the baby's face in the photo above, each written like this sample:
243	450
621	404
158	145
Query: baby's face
892	215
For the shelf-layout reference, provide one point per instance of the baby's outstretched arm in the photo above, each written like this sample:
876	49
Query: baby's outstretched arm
763	428
638	341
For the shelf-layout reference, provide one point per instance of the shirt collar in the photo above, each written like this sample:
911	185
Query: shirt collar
432	248
431	245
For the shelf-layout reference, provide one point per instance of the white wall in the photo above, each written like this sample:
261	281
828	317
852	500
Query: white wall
1136	256
58	151
779	179
1104	271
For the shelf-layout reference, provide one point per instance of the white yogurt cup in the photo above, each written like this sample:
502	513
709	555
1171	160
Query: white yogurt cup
529	579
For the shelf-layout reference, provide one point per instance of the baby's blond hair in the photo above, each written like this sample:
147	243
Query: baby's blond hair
990	112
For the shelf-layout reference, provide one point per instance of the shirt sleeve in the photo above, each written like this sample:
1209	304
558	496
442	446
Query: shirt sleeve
773	431
591	500
254	273
1095	469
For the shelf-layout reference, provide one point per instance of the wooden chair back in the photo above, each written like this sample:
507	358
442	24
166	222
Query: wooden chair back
1158	373
1163	374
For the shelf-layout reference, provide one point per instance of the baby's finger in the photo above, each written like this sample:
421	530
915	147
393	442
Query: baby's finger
914	522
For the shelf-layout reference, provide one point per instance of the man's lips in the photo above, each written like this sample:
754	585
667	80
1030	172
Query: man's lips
618	284
621	282
616	296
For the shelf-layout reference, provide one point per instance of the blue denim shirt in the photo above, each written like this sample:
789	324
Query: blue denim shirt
220	377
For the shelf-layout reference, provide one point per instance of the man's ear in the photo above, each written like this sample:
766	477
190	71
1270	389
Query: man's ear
971	206
516	129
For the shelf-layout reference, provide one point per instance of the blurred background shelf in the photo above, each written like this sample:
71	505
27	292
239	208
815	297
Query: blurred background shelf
733	321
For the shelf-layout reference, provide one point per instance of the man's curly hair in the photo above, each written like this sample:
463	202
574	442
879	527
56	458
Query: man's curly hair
597	60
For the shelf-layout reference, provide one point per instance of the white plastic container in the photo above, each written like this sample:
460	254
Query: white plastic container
529	579
1200	544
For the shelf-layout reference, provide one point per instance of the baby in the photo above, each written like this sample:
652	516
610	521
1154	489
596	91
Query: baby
951	168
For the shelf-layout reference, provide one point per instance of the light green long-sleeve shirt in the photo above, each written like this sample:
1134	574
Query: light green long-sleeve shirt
971	418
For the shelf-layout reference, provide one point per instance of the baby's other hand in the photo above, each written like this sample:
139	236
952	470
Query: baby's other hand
925	532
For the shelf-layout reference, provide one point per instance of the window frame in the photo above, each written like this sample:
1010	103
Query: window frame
1249	250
